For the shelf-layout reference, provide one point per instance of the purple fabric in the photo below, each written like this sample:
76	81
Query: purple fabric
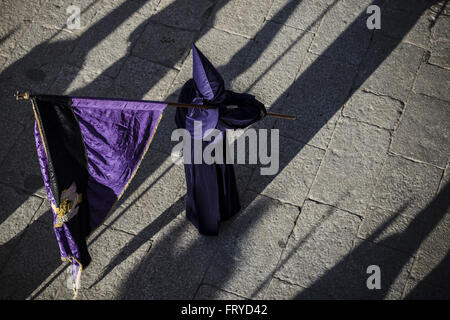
61	235
116	134
209	88
207	79
211	193
206	117
200	76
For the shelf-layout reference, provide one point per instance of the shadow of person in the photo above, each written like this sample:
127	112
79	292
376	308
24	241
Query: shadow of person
34	254
348	278
149	231
175	264
435	285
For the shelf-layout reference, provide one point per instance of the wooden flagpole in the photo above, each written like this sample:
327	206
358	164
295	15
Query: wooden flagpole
26	96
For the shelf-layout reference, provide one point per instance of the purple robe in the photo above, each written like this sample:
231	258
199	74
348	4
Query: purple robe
212	194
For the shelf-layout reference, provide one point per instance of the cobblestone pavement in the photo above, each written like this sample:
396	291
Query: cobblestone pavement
364	170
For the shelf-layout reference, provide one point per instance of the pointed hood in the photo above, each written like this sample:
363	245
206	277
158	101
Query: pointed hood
207	79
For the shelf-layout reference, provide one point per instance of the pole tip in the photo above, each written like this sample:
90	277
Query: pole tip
22	96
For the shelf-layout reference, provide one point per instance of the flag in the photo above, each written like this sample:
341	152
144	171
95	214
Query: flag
89	150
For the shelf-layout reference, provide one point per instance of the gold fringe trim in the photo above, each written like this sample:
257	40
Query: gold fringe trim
39	125
76	282
63	208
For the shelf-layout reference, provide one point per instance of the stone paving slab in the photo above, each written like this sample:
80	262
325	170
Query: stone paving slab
206	292
282	290
188	254
15	120
244	176
2	61
416	290
16	211
118	255
424	133
48	43
381	111
322	238
13	24
304	15
123	9
392	229
298	167
44	214
395	21
188	14
20	168
347	279
446	178
433	260
343	33
31	262
392	76
433	81
321	88
273	62
394	267
250	246
439	54
406	186
16	114
53	13
165	45
81	82
414	6
150	195
8	126
240	16
348	173
10	33
38	57
103	51
162	138
441	29
141	79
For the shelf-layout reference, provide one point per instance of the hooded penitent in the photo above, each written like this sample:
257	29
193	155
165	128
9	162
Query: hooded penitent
89	150
212	194
209	90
